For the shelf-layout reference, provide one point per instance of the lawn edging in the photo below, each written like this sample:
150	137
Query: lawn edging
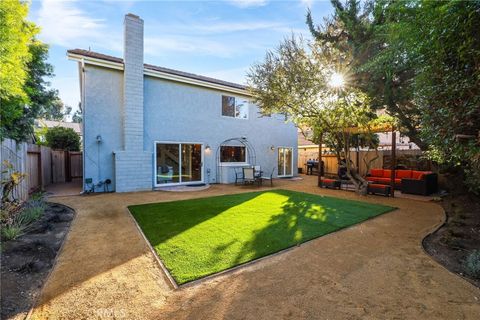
175	285
164	269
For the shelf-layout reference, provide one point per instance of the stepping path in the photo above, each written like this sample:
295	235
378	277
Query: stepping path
376	269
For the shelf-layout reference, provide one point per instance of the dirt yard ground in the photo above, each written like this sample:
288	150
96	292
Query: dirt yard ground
374	270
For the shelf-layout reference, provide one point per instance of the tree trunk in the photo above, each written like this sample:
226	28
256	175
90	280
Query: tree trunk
352	173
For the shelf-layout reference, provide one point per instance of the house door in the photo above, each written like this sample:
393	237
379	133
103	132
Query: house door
178	163
285	162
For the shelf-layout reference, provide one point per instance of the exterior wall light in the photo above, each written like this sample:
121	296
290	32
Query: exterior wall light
272	148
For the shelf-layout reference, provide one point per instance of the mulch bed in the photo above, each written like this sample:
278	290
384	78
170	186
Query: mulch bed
460	235
28	260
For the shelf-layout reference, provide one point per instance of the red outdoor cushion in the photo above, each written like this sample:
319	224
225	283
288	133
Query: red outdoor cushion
376	172
378	186
378	180
328	180
418	175
387	173
383	180
403	174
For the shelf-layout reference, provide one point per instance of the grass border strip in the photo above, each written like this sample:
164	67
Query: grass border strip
166	273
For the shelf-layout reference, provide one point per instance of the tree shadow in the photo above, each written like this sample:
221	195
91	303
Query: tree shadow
301	217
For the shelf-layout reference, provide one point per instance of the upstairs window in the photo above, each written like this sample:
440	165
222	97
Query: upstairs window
234	107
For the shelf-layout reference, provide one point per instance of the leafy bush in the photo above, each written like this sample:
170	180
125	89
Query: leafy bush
29	215
36	200
15	220
10	179
11	232
472	264
63	138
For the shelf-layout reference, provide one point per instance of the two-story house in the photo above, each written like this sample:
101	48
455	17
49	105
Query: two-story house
146	126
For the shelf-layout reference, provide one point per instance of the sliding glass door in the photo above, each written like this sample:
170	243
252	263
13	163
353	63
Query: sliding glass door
285	162
178	163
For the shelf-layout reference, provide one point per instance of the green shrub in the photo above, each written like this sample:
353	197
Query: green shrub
29	215
63	138
36	200
13	223
472	264
11	232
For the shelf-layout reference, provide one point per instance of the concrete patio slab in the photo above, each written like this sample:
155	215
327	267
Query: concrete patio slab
376	269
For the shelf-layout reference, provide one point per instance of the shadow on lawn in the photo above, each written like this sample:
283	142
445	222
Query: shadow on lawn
179	216
300	220
303	217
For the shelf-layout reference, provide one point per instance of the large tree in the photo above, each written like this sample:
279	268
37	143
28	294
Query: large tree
442	41
24	92
420	60
303	80
377	68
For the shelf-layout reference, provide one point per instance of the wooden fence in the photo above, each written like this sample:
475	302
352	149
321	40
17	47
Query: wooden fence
58	166
14	154
74	165
41	165
66	165
409	158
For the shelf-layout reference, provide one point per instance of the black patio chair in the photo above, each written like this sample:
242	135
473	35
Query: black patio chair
238	175
269	177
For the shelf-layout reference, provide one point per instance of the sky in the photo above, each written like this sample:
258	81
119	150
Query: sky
220	39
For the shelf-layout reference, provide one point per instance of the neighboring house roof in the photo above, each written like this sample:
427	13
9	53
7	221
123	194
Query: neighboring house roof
117	63
303	142
77	127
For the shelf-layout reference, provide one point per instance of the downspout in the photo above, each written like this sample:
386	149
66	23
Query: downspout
82	106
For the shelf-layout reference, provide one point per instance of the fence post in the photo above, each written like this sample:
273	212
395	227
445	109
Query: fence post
68	173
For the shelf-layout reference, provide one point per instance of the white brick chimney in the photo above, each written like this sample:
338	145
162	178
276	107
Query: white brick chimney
133	82
133	165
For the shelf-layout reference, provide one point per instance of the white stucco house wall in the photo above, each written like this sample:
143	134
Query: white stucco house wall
146	126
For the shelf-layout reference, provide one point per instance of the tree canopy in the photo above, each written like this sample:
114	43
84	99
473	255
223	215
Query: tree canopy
419	59
24	92
304	80
62	138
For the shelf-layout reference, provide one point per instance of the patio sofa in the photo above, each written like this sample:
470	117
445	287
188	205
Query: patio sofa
408	181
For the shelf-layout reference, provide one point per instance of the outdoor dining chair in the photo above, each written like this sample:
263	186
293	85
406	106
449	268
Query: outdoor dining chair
258	171
269	177
238	175
248	175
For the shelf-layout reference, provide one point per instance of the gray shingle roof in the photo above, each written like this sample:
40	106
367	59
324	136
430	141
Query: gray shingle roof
96	55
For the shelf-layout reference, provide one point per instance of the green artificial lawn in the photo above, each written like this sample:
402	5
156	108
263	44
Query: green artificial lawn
198	237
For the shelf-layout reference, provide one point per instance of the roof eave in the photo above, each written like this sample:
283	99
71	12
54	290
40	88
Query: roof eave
157	74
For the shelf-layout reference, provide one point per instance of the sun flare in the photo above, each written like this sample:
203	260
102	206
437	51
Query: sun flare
336	80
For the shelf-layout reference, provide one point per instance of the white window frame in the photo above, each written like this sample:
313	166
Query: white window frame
180	161
226	164
235	109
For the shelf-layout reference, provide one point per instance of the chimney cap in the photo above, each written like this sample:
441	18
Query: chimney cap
131	15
